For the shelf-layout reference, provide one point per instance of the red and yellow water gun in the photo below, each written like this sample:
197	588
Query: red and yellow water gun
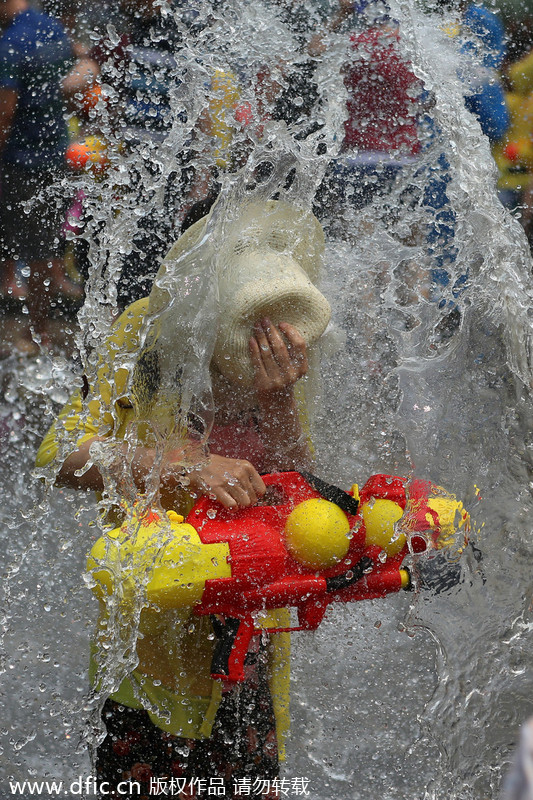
305	545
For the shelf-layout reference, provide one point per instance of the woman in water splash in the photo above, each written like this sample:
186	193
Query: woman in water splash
170	726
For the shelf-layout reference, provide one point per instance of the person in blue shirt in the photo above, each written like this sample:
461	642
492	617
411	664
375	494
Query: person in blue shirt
485	43
482	42
37	71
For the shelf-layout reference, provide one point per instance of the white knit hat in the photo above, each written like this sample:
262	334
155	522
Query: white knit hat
268	260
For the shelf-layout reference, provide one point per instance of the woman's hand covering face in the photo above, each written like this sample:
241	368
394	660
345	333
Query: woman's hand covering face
279	357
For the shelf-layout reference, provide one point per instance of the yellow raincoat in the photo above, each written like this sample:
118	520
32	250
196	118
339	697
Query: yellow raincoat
174	648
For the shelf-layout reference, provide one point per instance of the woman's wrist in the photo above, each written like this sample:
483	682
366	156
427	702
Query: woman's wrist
174	475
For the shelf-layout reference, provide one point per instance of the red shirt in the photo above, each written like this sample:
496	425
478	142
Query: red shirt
238	440
382	95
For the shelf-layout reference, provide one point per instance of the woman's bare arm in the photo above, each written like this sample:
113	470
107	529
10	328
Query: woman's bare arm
279	358
233	482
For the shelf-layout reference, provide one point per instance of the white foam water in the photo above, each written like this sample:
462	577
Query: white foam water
417	695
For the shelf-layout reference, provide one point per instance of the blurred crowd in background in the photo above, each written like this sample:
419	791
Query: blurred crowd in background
66	65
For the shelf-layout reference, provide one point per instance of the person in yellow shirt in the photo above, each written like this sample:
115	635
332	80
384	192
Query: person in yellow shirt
168	720
514	152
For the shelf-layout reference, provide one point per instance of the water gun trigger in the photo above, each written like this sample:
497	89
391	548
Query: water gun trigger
233	636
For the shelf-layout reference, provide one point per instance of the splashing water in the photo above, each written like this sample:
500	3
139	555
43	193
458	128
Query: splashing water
416	696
